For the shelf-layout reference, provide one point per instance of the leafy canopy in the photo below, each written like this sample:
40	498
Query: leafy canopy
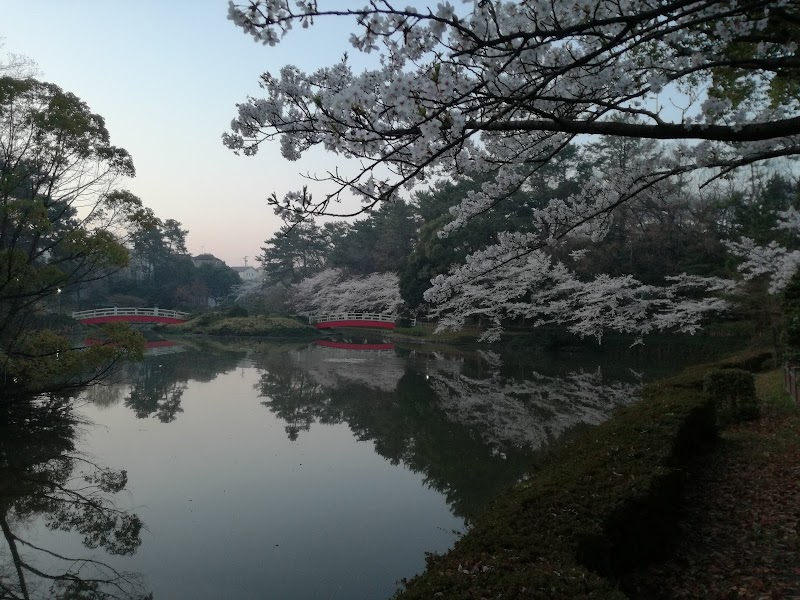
63	223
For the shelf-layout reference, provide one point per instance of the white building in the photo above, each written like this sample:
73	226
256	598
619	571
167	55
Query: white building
248	273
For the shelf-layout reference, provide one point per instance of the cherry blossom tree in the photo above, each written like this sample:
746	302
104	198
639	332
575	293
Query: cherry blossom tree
332	292
502	87
773	260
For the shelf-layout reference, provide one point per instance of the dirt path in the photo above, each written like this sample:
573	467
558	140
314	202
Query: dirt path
741	534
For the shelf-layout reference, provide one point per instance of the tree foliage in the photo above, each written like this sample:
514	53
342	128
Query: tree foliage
156	245
161	273
435	254
62	221
774	260
332	291
297	251
218	279
380	243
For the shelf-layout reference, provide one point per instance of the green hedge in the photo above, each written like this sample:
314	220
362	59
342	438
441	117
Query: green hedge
734	395
603	505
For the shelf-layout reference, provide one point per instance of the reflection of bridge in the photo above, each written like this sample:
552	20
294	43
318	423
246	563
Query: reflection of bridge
349	346
130	315
380	320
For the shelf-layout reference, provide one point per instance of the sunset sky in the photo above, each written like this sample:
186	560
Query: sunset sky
167	76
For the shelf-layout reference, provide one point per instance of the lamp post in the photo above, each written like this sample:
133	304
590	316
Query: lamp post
58	293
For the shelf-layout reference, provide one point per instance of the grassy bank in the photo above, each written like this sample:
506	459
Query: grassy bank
261	326
603	507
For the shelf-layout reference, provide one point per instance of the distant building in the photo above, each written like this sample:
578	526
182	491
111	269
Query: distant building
206	259
248	273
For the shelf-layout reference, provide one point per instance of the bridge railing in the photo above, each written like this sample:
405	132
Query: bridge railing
353	316
128	312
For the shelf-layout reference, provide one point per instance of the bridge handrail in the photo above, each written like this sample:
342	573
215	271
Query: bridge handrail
128	312
353	316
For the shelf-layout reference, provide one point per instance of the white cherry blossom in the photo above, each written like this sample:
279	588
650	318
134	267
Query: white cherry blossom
501	87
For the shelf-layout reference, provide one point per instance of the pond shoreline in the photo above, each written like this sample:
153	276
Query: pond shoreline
537	339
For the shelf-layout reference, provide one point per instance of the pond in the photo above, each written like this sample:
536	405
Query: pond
243	470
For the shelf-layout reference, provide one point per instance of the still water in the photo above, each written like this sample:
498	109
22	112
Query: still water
245	470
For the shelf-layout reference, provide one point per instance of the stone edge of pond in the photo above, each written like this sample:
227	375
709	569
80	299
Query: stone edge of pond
604	504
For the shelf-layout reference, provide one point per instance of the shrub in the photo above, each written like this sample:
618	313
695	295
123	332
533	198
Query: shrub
238	311
734	395
207	319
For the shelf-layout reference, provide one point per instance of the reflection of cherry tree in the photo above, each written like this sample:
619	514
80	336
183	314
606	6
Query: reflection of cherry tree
331	367
470	435
505	412
45	480
524	413
405	426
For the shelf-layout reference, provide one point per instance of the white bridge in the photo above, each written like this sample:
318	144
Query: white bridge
132	315
353	319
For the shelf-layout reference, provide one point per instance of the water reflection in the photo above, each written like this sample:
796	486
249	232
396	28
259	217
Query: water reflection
297	388
151	347
358	346
154	387
528	412
294	396
45	482
315	471
371	364
470	428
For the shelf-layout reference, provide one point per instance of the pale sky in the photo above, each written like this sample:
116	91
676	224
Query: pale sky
166	76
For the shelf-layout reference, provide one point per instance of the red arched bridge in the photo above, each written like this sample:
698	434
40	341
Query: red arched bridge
130	315
352	319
